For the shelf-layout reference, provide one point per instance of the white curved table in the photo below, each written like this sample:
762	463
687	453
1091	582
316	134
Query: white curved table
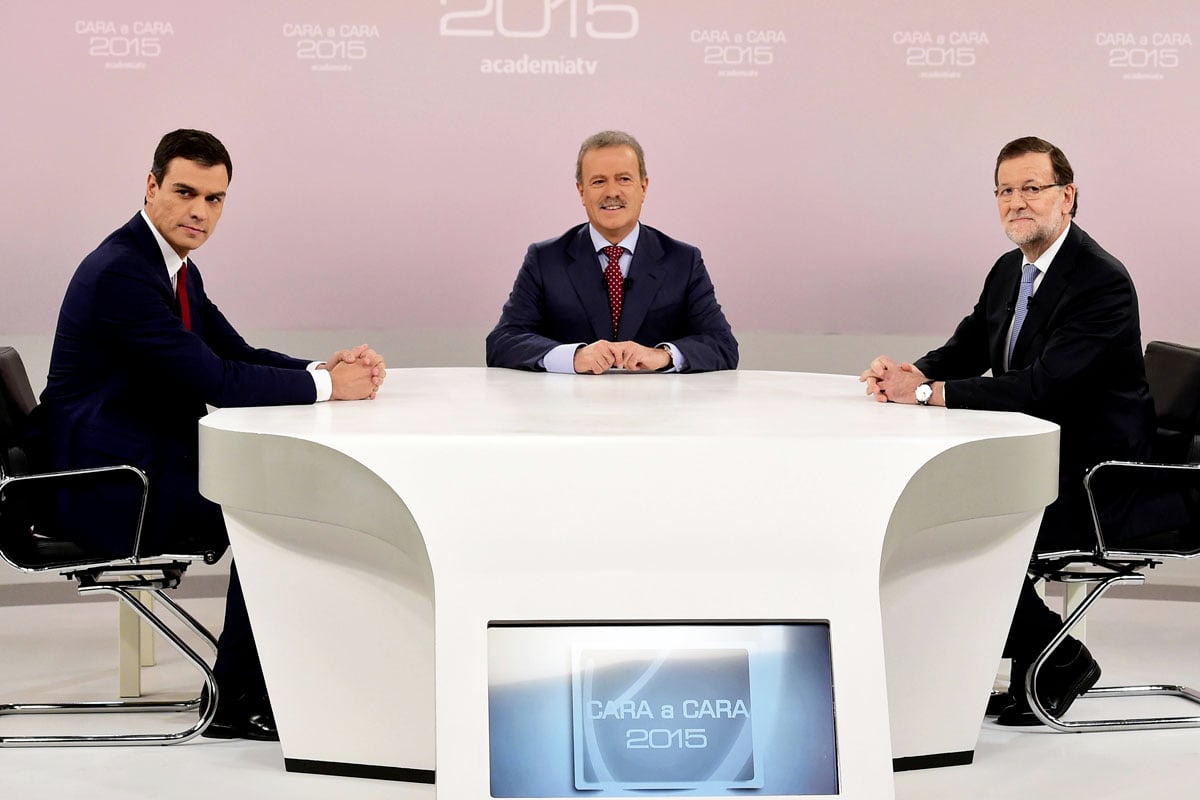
376	540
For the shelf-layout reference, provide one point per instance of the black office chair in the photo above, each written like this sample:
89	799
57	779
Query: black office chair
32	542
1143	515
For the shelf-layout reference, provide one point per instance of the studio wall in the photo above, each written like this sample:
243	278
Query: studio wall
393	160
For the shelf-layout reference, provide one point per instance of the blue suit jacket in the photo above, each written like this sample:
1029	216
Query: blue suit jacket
128	383
560	297
1077	363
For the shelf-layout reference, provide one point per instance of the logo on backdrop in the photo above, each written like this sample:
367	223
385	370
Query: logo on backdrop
331	48
1143	56
940	56
504	24
738	54
124	45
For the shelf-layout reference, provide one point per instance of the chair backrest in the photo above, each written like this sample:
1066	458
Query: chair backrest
1173	371
1152	508
17	401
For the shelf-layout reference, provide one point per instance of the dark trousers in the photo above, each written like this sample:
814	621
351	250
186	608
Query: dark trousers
238	670
1033	626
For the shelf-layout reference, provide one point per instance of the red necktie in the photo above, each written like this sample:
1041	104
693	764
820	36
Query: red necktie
616	286
185	311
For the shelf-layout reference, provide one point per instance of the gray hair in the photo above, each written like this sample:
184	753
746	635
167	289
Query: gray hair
610	139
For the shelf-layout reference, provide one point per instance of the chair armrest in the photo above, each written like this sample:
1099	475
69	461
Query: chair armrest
29	506
1145	507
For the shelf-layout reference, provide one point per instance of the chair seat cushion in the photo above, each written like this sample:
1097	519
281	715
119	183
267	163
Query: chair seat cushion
41	552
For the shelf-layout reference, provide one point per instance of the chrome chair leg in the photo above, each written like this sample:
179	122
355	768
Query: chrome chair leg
1094	725
206	713
187	619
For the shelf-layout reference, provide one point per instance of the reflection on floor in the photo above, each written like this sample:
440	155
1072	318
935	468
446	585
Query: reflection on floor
50	652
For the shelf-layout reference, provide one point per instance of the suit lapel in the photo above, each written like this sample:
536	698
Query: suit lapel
583	270
149	247
154	261
1046	298
646	273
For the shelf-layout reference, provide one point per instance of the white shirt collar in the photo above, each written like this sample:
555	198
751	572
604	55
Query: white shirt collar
629	242
1043	262
171	259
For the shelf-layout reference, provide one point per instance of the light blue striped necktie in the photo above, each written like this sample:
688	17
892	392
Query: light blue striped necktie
1028	273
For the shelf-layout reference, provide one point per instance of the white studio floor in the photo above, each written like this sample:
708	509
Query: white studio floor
68	651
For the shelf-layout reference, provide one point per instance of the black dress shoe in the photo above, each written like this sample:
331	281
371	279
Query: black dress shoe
1061	681
250	717
997	702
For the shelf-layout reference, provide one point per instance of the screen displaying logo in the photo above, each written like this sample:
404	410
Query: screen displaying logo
704	709
663	719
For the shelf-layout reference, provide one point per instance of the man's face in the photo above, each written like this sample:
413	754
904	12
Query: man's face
612	190
186	207
1035	223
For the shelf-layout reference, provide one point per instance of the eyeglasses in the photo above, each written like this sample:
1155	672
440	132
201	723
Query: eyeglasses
1027	192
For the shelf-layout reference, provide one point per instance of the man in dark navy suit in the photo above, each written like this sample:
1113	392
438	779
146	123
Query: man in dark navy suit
1057	324
612	292
139	353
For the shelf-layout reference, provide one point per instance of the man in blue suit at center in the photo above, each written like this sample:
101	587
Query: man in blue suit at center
612	293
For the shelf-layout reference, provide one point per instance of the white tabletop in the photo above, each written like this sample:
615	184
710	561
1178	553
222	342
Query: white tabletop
500	402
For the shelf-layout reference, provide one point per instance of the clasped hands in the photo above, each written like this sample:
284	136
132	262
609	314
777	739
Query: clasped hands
357	373
603	355
888	381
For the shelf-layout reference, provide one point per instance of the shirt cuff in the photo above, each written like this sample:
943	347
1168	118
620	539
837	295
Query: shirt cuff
561	358
678	362
322	380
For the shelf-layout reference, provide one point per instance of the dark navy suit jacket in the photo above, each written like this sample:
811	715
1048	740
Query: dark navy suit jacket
560	297
128	383
1077	363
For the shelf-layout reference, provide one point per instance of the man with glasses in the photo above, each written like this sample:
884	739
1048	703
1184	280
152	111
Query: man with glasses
1057	326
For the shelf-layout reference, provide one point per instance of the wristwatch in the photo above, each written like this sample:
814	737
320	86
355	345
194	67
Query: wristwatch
670	358
924	392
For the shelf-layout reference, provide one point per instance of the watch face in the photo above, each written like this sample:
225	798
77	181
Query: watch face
924	392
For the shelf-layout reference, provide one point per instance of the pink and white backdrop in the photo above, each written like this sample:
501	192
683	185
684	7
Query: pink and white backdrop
392	160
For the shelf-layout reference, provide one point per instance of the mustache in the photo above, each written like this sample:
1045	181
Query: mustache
613	203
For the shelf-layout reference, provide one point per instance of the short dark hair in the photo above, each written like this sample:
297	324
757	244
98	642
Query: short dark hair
609	139
199	146
1032	144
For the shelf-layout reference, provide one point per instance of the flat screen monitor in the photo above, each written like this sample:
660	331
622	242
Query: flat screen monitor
619	709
